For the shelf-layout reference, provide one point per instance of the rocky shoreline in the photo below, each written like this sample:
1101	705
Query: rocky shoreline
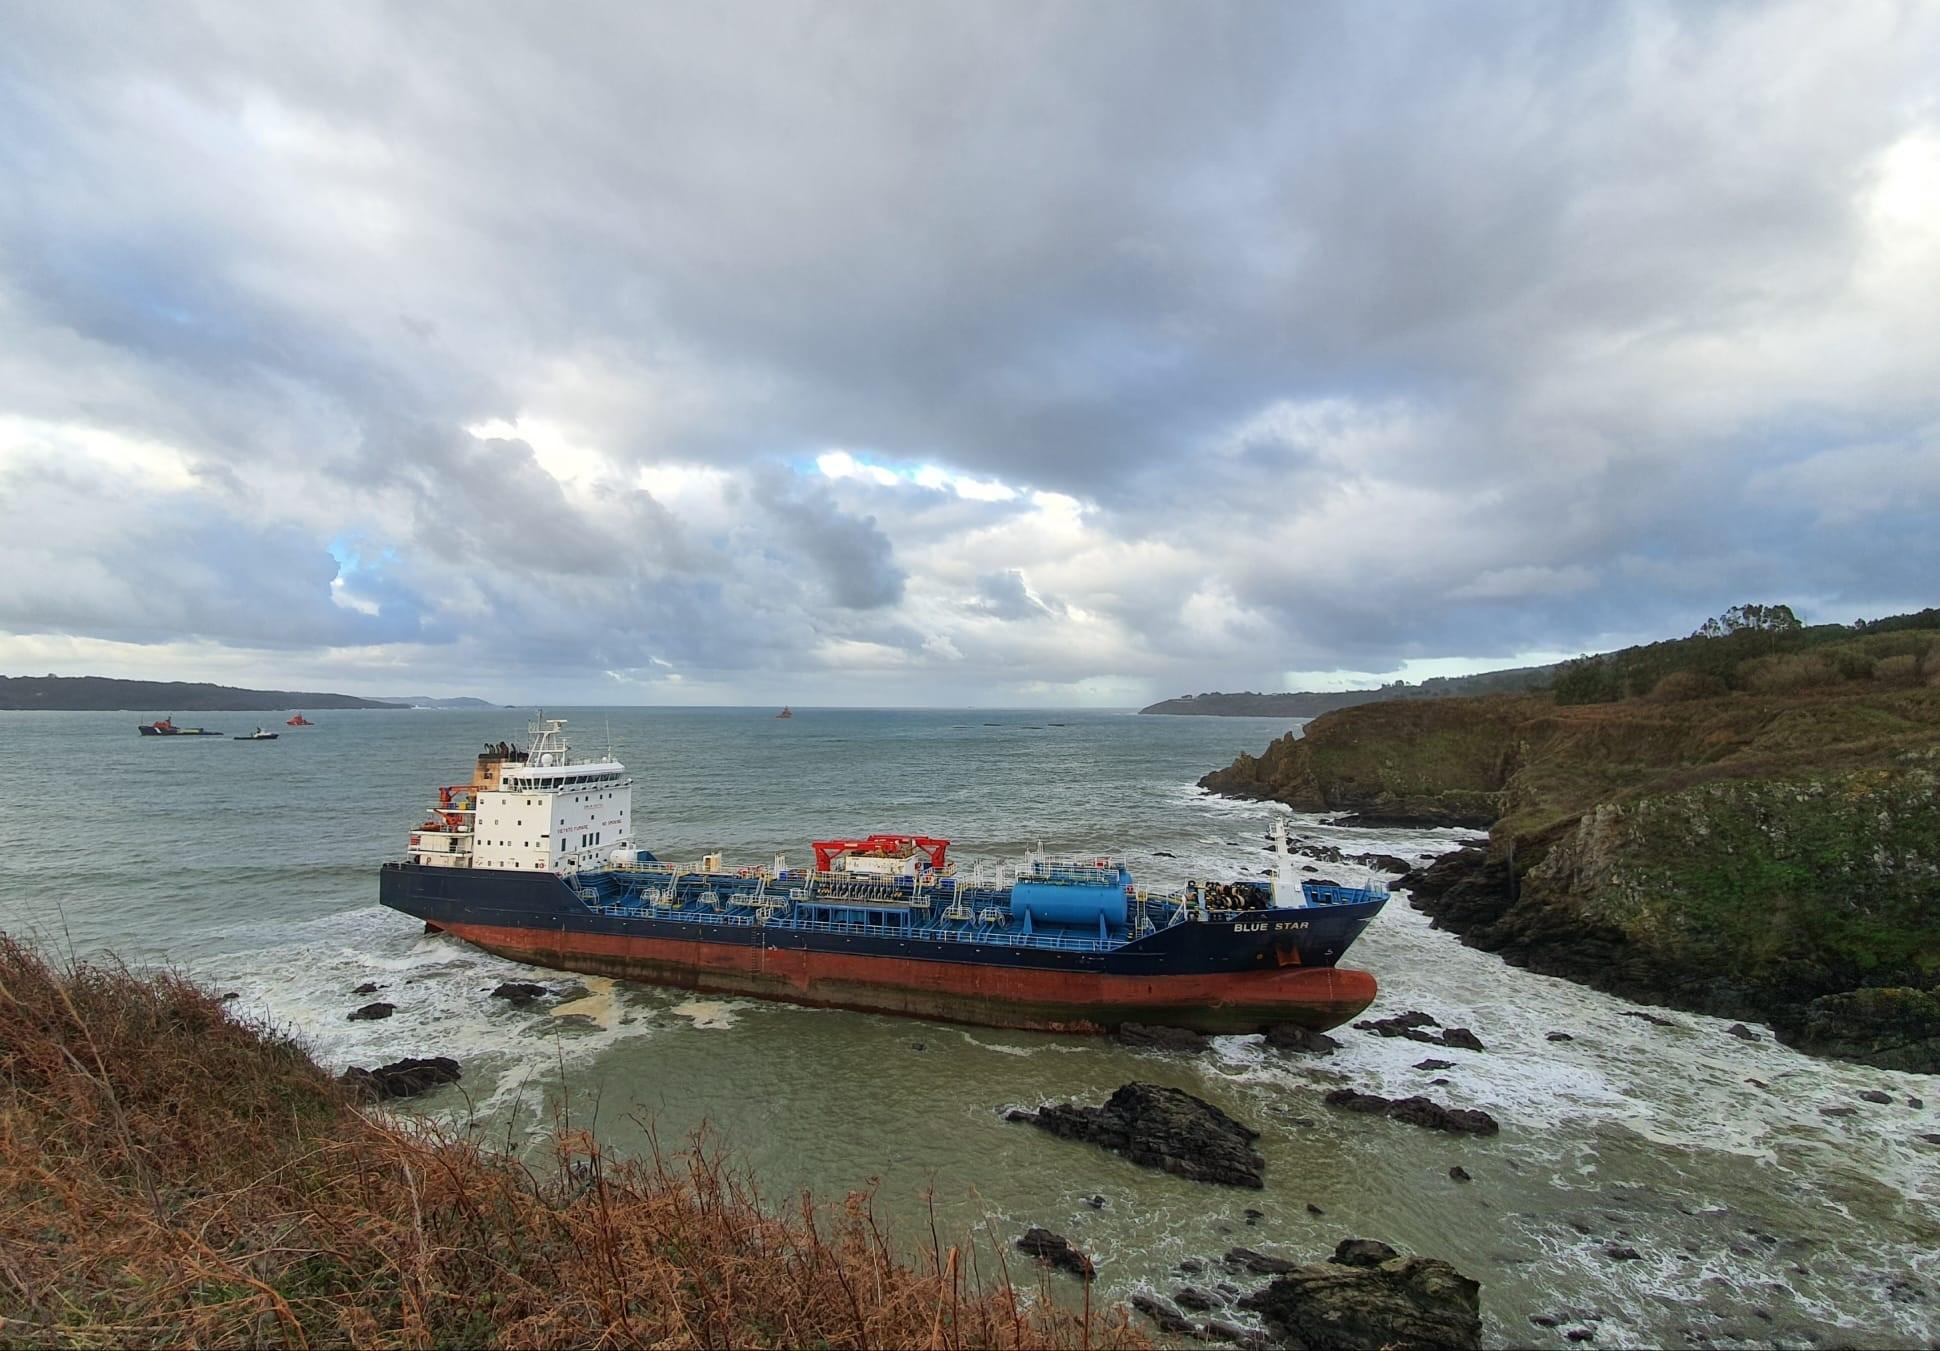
1764	859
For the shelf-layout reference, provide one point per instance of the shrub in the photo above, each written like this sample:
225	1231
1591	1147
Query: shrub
1789	673
1900	670
1679	686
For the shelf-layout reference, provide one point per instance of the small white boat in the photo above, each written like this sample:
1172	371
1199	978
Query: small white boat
258	735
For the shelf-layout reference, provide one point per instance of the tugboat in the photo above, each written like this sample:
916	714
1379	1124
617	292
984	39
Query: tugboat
298	721
258	735
534	859
167	727
786	712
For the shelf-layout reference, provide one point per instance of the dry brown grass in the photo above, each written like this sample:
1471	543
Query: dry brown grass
171	1176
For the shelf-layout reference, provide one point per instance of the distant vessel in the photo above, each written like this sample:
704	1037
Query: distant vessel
166	727
786	712
298	721
258	735
533	859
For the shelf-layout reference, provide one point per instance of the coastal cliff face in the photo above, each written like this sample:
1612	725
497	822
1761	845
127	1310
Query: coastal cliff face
1775	859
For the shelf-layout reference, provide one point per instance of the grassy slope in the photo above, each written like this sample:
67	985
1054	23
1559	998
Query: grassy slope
171	1176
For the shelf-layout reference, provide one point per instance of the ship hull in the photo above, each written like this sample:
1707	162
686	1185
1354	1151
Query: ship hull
1237	976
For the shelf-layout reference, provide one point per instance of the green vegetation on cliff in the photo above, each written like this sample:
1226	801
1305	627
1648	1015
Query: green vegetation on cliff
1767	847
171	1176
1312	703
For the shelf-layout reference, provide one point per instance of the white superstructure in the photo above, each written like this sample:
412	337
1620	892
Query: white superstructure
532	809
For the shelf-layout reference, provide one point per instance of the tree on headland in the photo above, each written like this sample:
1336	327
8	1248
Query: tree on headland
1750	617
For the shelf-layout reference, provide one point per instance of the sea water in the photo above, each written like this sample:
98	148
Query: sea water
1756	1218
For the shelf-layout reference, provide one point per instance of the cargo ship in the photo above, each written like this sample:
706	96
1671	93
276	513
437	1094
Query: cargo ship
167	727
534	859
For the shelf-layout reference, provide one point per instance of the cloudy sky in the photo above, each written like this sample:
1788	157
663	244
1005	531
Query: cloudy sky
999	353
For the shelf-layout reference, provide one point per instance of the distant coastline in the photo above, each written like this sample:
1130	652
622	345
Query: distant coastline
101	694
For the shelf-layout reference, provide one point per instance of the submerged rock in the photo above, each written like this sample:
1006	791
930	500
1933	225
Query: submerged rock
1402	1302
1460	1174
1558	1036
1192	1297
1741	1032
520	991
1257	1262
1163	1038
1161	1128
1416	1111
401	1078
1874	1095
1168	1318
1055	1250
1362	1252
1293	1037
368	987
372	1012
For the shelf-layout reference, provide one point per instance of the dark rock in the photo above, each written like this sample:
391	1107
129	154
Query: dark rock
1257	1262
1433	1064
1404	1302
1055	1250
1559	1036
1893	1028
1741	1032
1579	1335
372	1012
1095	1202
1544	1320
1399	1024
1930	1137
1874	1095
1292	1037
1838	1111
1191	1297
1192	1266
1254	1216
1441	1083
1019	1114
1313	1209
1239	1336
1386	863
1163	1128
1621	1253
1163	1038
1416	1111
1163	853
1410	1025
1362	1252
520	991
229	995
368	987
1650	1018
1460	1174
1915	1103
918	1046
1167	1317
401	1078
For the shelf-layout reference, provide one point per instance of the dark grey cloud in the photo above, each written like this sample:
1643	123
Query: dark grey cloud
1357	334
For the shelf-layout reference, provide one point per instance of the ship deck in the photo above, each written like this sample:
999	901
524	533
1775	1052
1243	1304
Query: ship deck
944	910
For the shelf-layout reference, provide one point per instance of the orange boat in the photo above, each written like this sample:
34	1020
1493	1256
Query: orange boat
298	721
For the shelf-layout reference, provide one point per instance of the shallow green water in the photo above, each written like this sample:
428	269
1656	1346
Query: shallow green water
1758	1219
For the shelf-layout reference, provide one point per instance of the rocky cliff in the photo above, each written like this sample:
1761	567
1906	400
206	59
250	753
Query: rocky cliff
1770	858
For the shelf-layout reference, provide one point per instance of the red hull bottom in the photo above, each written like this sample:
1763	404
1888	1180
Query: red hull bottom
995	996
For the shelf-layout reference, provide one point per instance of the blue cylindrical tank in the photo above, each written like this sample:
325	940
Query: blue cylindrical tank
1069	903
